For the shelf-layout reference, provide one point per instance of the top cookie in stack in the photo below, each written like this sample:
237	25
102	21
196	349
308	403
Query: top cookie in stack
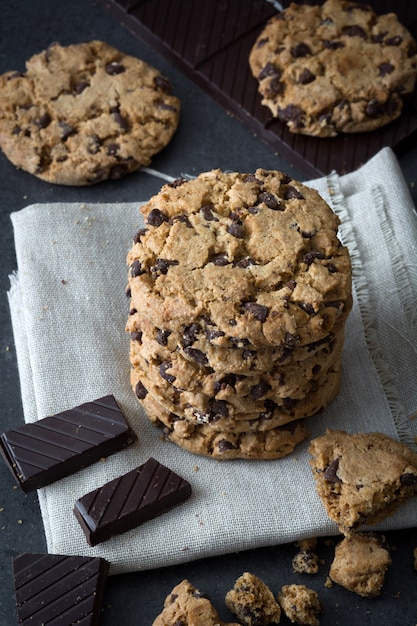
240	289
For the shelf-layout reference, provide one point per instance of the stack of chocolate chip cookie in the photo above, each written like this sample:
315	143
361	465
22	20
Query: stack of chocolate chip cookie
240	289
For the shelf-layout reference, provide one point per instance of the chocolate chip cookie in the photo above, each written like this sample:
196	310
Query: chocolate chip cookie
226	443
85	113
362	478
253	256
333	68
239	293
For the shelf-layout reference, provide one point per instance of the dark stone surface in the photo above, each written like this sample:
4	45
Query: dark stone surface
208	137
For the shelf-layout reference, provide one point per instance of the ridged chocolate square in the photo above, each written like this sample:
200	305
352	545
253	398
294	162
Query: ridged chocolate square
54	447
54	589
130	500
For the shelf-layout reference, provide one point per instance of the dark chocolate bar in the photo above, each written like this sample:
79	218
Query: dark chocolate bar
47	450
131	500
210	43
53	589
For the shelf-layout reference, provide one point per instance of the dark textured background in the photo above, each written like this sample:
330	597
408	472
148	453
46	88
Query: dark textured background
208	137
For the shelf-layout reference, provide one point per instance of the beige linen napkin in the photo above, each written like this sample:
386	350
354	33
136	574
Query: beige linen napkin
69	309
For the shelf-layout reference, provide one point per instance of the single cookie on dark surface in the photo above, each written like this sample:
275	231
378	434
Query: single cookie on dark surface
336	67
360	564
85	113
362	478
188	606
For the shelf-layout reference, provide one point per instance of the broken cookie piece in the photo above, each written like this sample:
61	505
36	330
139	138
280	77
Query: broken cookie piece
306	560
300	604
360	564
362	478
188	606
252	602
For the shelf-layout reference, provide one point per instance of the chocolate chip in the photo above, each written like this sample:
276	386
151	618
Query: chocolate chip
333	45
330	473
156	218
118	171
408	479
166	365
374	108
161	266
181	218
245	262
393	41
162	83
220	260
307	307
251	178
80	86
121	121
196	355
291	284
332	268
140	233
354	31
270	200
207	212
269	70
112	149
258	391
306	77
214	334
308	234
136	335
275	86
162	336
228	380
136	269
309	257
189	335
178	181
219	408
236	230
291	193
385	68
224	445
114	68
292	113
259	311
43	121
300	50
140	391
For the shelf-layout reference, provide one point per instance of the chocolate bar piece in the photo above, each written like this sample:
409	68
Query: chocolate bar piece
210	43
51	448
131	500
54	589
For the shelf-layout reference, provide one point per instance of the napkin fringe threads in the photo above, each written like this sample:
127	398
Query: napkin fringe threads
339	205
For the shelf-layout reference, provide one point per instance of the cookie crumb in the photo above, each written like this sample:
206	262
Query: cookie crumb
360	564
300	604
252	601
